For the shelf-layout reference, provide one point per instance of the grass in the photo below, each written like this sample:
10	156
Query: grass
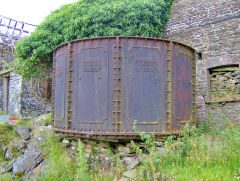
62	167
7	134
23	122
203	153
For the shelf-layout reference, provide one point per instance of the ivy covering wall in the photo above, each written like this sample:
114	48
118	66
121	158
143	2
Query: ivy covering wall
85	19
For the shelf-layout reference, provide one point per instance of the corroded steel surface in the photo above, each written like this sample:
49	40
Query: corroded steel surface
103	87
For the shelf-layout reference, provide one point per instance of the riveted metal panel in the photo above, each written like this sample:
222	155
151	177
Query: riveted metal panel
144	84
111	83
60	87
92	85
182	81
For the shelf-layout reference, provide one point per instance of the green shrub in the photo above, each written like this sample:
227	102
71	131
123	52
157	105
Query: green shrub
88	18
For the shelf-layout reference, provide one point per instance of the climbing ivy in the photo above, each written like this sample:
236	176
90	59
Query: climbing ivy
85	19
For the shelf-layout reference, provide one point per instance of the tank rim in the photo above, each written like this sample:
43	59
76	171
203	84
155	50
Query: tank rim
135	37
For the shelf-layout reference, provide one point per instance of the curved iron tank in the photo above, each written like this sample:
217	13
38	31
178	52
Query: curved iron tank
115	87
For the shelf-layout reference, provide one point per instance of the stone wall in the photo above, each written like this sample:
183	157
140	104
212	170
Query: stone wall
21	100
30	104
212	28
6	56
224	83
15	86
36	95
1	94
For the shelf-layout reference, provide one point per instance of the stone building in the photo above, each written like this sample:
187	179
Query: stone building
18	96
212	27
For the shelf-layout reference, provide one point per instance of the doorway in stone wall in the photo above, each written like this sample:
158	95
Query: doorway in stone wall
6	78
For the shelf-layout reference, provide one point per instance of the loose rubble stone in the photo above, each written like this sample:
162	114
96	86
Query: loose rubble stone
29	160
162	151
127	160
123	150
72	151
130	174
88	148
87	156
102	145
66	143
159	144
129	145
39	121
21	144
42	132
124	179
106	163
12	123
9	153
130	162
103	151
44	164
122	155
34	142
37	171
22	131
9	166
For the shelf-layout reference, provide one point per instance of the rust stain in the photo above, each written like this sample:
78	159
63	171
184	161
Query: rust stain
102	85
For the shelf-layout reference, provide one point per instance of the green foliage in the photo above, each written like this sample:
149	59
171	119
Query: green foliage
23	122
82	166
85	19
7	134
3	113
49	119
60	166
6	66
203	153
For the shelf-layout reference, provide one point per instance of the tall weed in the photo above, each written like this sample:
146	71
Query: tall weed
82	172
60	165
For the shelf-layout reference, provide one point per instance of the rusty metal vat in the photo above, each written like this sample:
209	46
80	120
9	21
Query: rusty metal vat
104	86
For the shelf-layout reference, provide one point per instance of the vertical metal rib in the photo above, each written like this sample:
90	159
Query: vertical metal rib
194	88
70	86
169	88
117	83
53	85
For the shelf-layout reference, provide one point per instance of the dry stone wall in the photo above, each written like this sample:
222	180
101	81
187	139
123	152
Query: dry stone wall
212	27
21	100
224	83
30	104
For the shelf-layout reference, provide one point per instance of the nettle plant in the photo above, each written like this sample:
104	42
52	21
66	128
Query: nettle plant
86	19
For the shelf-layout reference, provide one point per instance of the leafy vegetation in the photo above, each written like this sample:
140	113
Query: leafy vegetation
6	133
85	19
63	167
203	153
208	154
